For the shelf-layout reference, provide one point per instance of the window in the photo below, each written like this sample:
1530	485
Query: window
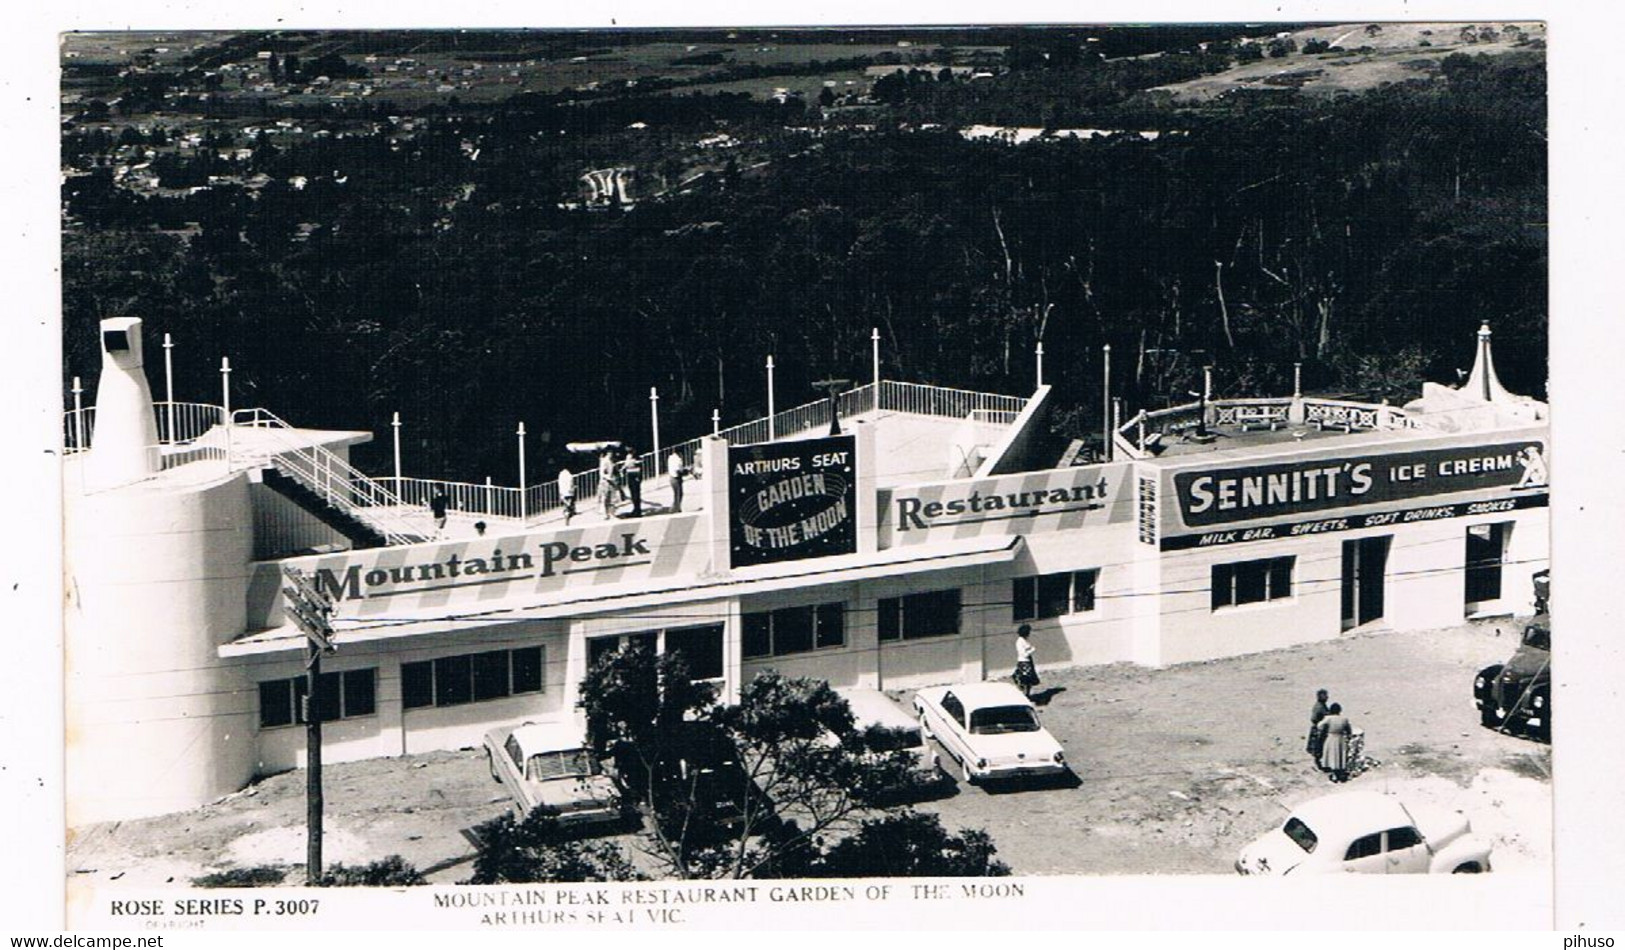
997	720
931	614
1401	838
701	649
1053	595
794	630
343	695
1300	834
471	677
1364	847
1251	582
953	707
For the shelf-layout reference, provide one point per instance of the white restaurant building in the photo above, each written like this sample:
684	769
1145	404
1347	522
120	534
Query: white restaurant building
900	553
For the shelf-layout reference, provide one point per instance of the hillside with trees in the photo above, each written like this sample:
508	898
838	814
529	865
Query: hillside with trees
439	262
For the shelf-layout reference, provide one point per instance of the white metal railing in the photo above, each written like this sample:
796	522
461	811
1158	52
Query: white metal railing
926	400
487	500
1322	413
186	421
328	475
178	423
383	501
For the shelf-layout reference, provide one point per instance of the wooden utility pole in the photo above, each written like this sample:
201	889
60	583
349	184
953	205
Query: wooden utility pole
311	609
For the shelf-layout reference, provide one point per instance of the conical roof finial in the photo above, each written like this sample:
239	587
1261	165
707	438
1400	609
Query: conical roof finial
1483	382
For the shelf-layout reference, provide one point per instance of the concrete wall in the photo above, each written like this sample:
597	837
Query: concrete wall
156	577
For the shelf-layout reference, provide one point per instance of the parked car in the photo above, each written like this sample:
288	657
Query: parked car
1517	695
885	729
547	765
1368	833
707	786
990	729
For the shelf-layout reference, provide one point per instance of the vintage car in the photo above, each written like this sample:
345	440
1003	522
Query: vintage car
1367	833
1518	694
547	765
990	729
885	728
708	791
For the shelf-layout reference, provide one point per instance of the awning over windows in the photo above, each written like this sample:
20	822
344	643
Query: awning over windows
588	600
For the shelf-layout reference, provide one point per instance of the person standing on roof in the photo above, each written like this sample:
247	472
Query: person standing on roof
606	482
632	471
676	471
437	508
567	492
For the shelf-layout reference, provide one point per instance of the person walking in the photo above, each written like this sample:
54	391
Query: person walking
567	493
632	472
1317	712
1026	675
1335	732
606	483
676	471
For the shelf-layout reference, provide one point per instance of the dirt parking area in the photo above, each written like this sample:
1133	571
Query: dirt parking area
1177	769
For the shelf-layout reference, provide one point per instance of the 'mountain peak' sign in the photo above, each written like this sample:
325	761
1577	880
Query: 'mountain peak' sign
792	500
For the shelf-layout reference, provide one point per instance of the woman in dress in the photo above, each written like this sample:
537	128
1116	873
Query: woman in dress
1335	732
1026	675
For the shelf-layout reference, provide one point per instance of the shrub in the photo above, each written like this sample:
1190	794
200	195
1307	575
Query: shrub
264	875
392	871
536	851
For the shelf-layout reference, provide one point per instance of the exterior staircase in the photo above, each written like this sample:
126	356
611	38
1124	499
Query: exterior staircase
360	533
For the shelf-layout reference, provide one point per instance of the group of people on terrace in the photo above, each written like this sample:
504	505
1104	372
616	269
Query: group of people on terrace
620	482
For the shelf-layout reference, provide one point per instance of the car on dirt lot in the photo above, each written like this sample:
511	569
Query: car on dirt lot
701	790
1367	832
886	729
1517	695
990	729
548	765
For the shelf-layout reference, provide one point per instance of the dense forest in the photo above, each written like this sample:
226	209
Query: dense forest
1364	235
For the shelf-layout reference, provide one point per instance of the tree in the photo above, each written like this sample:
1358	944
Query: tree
537	851
826	97
732	791
908	844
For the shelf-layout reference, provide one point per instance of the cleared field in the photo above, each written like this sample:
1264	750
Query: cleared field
1394	53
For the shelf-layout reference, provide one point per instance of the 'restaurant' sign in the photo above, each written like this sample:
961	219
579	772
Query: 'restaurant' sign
792	500
1225	496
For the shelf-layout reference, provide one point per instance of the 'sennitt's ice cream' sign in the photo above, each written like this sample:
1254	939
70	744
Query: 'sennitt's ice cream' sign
1221	496
792	500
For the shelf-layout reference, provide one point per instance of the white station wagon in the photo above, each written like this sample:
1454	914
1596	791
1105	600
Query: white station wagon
990	729
1367	833
548	765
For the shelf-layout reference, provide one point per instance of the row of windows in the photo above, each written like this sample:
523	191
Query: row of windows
794	630
476	677
1052	595
913	616
338	696
1252	582
471	677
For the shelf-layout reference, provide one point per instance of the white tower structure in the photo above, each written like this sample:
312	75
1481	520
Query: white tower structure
123	448
156	577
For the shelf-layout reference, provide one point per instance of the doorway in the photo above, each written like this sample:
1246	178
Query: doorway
1365	566
1486	551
